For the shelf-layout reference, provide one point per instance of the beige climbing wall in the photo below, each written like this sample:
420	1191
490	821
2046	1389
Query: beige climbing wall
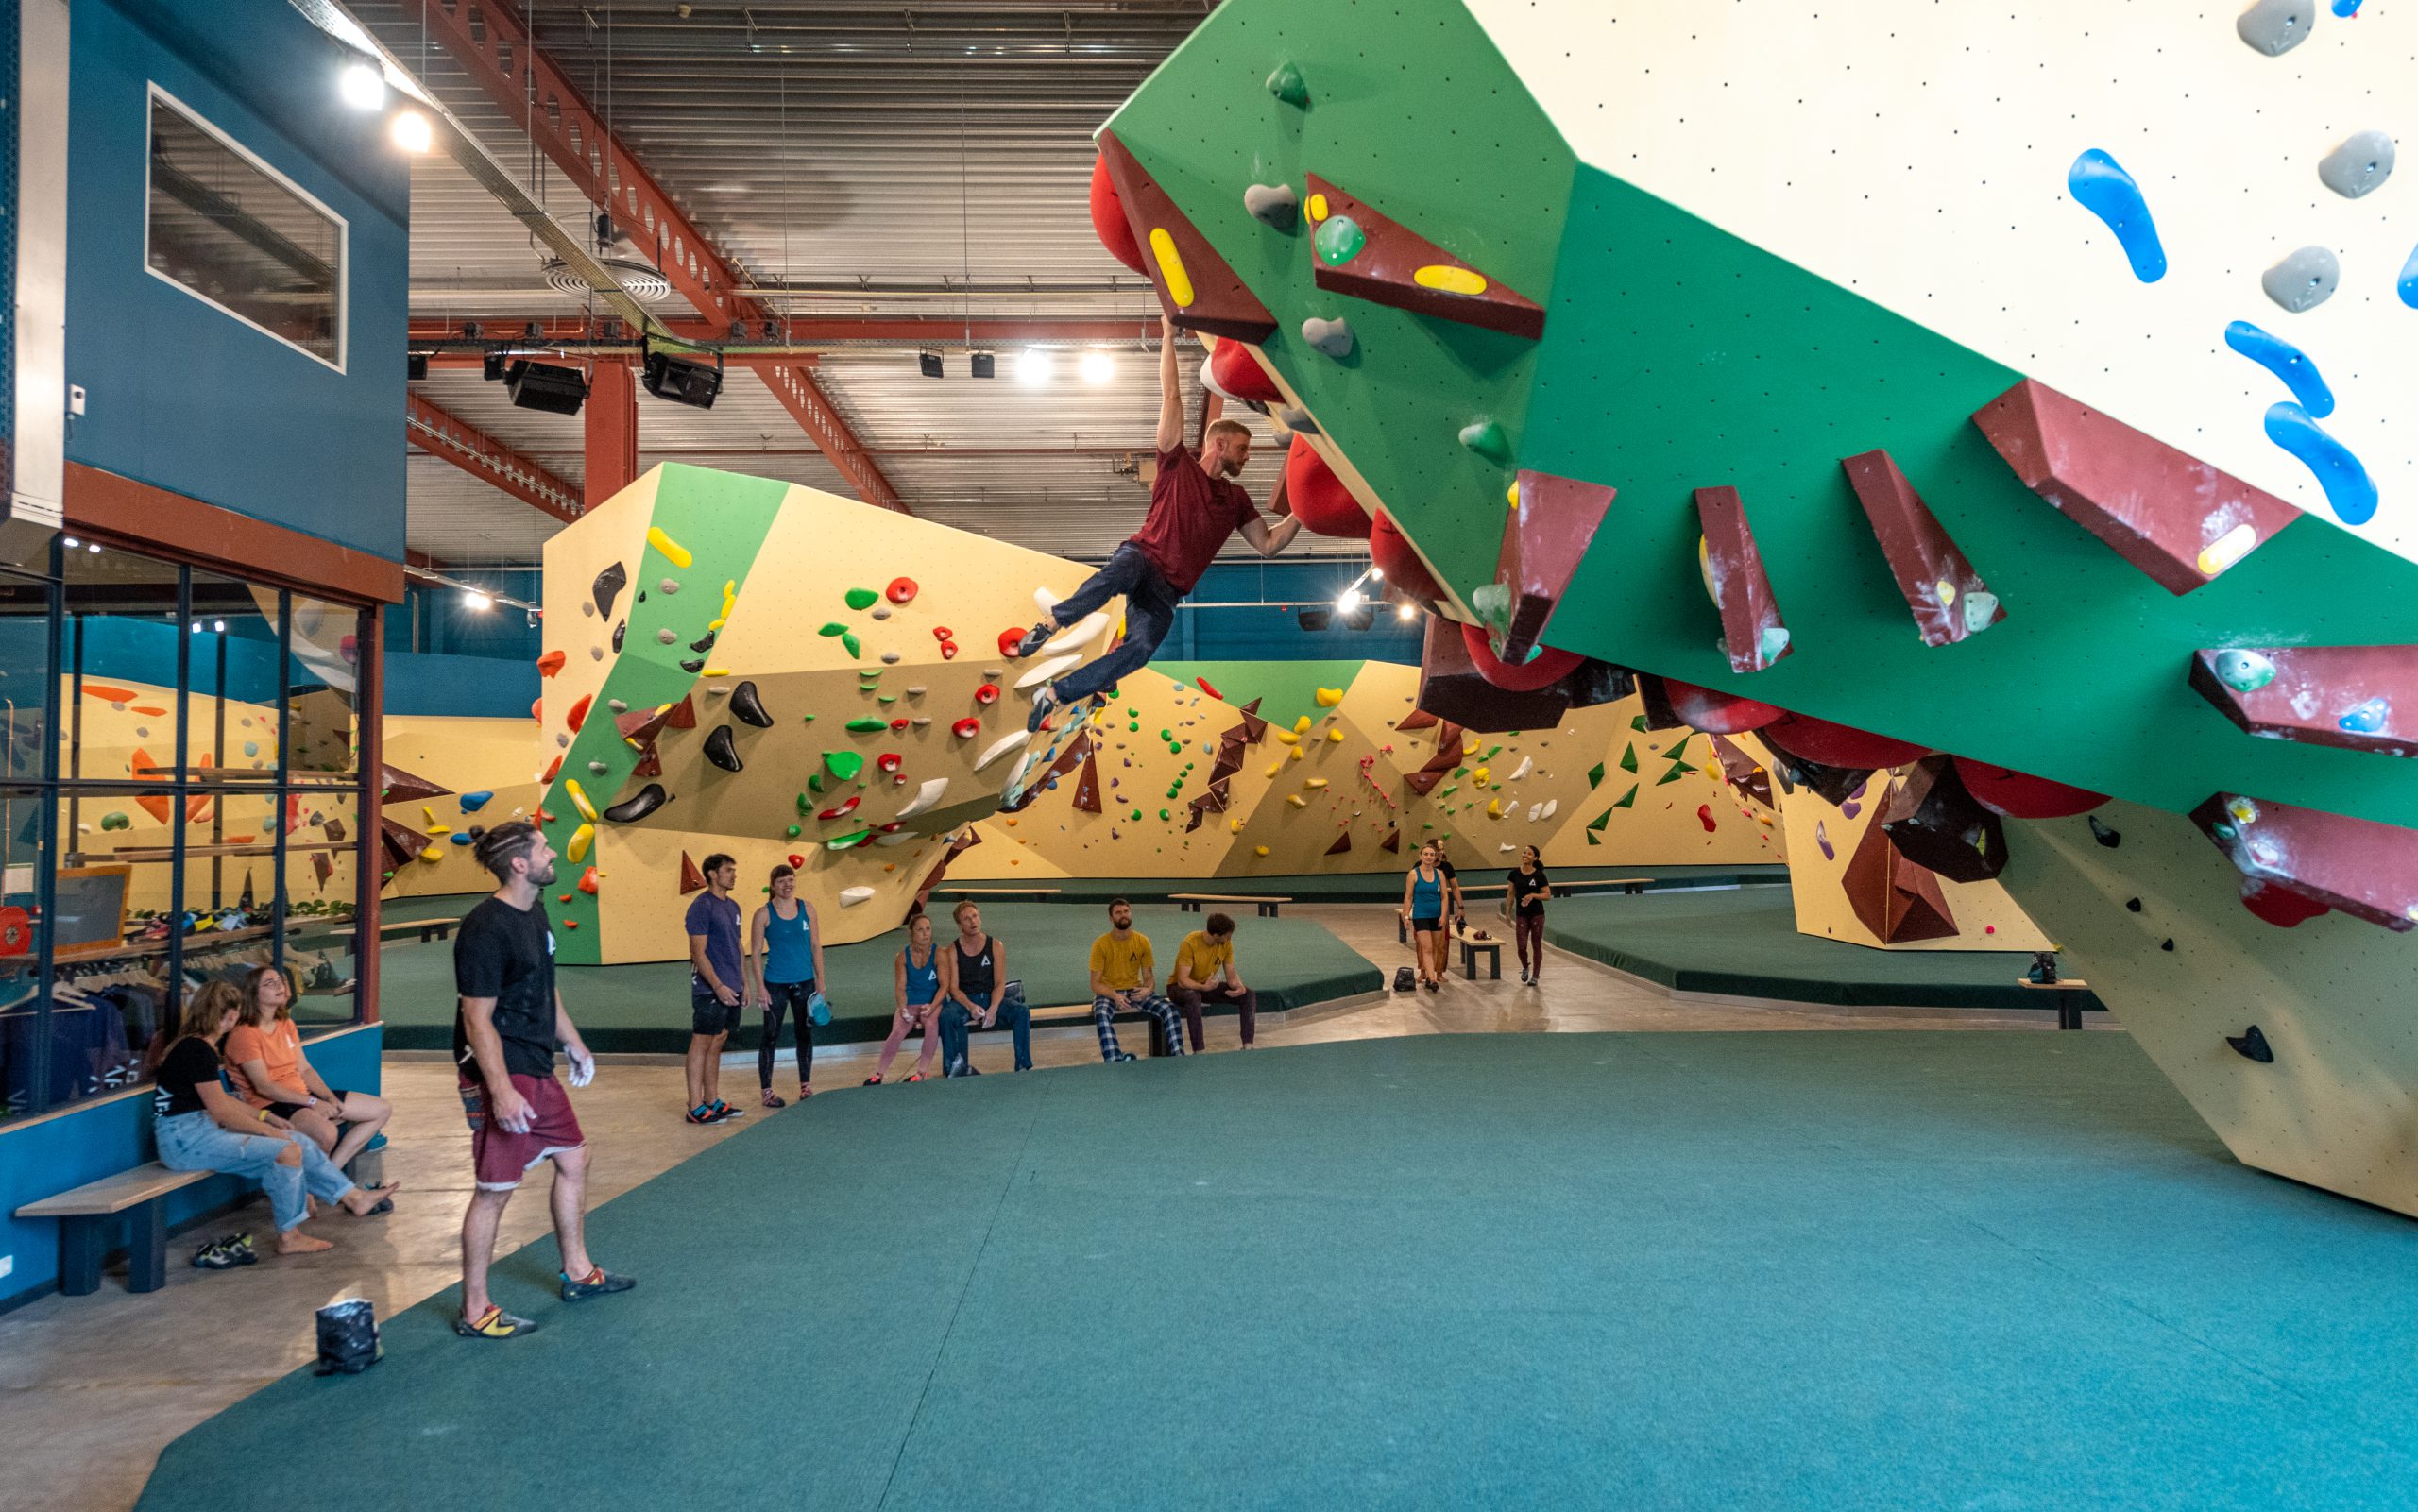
2332	996
468	756
1822	839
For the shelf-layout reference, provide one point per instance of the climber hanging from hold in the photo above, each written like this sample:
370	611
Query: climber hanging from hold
1195	505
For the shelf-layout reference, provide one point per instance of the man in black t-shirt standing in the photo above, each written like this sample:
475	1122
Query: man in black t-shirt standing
504	1032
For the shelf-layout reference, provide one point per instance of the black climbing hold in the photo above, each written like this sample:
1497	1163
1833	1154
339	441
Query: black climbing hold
705	644
720	751
641	595
695	664
2105	835
618	631
749	707
607	588
2252	1045
2134	904
652	797
2166	946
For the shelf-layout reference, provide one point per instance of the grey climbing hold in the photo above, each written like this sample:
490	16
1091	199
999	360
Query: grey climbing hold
882	611
1274	204
2277	27
889	658
2362	163
669	586
598	768
616	706
587	610
595	653
1333	337
1297	420
667	634
2304	280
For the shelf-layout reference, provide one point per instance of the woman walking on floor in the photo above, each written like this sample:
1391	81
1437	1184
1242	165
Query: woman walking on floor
1530	886
785	969
1422	905
916	975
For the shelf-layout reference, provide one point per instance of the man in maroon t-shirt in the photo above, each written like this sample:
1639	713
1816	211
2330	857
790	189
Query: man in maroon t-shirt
1195	505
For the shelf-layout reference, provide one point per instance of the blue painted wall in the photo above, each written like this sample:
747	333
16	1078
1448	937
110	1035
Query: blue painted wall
465	687
67	1149
180	395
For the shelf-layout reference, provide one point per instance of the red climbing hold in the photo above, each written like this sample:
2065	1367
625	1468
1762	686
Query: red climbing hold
841	811
1837	745
888	761
1317	498
552	767
1204	682
901	590
578	715
2018	796
2279	905
1108	220
1704	817
1550	666
544	818
939	633
966	729
1714	713
796	861
899	726
948	650
1009	639
1234	370
587	880
548	664
987	695
1392	551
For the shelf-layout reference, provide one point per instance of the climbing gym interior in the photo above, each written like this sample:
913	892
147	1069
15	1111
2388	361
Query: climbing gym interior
1160	755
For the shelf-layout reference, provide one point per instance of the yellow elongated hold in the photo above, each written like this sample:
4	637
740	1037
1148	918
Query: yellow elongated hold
717	624
1449	280
2227	549
1335	737
1329	697
1259	850
427	814
581	839
1171	267
1276	766
1297	753
440	830
433	854
1469	747
579	801
1318	208
1288	738
677	553
1314	782
1297	800
729	589
715	671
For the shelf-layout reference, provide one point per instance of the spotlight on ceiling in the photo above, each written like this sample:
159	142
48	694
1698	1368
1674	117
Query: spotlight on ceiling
985	365
1349	600
360	85
410	132
1035	367
929	364
1405	611
1315	616
545	386
682	382
1096	367
473	598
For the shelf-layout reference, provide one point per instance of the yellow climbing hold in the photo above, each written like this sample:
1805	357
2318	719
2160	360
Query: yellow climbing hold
1334	736
1171	267
1259	850
1297	800
1288	738
715	671
1318	208
1314	782
1478	778
581	839
1297	753
1945	592
1234	827
677	553
1449	280
434	853
579	801
440	829
1494	809
1329	697
1512	494
427	814
1276	766
717	624
1302	724
2227	549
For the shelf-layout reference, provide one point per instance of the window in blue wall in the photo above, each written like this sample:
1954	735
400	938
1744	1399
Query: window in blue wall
232	232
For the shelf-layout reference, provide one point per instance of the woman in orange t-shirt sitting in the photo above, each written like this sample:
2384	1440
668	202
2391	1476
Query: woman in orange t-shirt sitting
264	1054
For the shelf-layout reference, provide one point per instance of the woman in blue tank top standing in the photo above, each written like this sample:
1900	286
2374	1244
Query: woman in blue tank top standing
916	975
1422	905
785	967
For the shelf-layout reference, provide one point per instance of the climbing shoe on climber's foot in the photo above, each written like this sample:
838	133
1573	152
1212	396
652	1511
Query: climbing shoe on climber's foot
1043	703
1035	639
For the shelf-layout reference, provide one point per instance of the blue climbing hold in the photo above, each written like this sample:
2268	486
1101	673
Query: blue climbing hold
2408	285
2101	186
2346	9
2287	362
474	801
2348	488
2368	718
460	838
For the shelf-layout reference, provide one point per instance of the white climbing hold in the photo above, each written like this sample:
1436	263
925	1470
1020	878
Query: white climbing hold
670	586
1522	770
882	611
851	896
1048	600
1507	845
1536	811
889	658
914	690
901	837
1002	747
1082	633
1049	670
925	797
616	706
1551	803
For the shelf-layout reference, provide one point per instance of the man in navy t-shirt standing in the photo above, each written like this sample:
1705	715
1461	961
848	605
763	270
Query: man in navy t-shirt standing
1195	505
717	988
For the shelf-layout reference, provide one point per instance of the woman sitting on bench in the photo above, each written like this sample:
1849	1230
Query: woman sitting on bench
264	1053
199	1128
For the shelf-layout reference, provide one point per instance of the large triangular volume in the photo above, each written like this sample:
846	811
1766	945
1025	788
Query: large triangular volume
399	785
1948	598
1552	522
1200	289
1753	635
1360	250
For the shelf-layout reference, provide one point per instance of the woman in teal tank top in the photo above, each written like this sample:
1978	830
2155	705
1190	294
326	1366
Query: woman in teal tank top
785	971
1423	907
917	977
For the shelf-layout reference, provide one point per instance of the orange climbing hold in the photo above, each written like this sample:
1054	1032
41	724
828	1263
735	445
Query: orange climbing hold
552	767
578	715
548	664
587	880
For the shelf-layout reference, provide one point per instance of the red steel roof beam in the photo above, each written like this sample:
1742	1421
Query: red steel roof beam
443	435
492	43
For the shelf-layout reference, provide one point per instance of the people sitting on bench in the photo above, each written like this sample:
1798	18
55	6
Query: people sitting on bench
915	978
265	1062
1206	954
976	991
1123	976
198	1127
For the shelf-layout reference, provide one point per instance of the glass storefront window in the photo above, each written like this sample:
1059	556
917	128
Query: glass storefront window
322	679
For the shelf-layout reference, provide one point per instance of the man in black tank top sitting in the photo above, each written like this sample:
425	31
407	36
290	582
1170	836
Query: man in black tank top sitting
975	993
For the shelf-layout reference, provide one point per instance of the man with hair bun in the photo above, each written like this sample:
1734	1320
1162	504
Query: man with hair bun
1195	505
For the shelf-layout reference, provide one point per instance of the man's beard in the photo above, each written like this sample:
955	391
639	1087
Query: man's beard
1231	467
544	878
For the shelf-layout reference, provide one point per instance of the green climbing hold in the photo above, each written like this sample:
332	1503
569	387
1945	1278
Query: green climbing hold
845	764
887	698
809	719
1450	788
1637	722
1163	813
1591	834
115	820
850	641
1285	84
1487	439
1338	240
844	842
1629	758
793	831
1595	776
2244	672
834	628
813	784
1677	752
1492	751
1137	813
1681	770
1600	821
1629	799
863	598
1491	604
1460	772
865	727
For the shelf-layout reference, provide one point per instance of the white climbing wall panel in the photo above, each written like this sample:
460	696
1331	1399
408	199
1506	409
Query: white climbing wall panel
1917	153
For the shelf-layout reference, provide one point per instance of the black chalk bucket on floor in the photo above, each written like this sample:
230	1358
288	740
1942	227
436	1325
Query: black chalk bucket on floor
348	1338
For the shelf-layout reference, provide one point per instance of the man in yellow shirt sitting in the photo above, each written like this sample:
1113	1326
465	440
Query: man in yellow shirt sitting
1204	954
1124	979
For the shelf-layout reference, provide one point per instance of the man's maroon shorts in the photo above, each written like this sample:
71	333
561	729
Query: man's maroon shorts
499	1157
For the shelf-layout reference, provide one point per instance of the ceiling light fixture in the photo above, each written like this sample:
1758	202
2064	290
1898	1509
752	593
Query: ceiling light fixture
410	132
1405	611
473	598
1096	367
984	365
1035	367
929	364
360	85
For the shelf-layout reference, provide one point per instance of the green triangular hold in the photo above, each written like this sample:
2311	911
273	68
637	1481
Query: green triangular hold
864	726
1678	749
1674	775
1637	722
834	628
1285	84
1487	439
1629	799
1591	840
862	598
850	641
1595	776
813	784
1629	758
1600	821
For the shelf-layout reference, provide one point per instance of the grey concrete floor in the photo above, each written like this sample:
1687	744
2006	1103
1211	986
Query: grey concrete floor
93	1387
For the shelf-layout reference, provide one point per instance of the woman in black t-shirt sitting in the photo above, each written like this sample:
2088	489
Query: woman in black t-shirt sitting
1530	886
200	1126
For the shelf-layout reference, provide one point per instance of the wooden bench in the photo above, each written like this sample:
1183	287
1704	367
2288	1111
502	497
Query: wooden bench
2069	991
1470	949
1071	1013
1269	904
979	893
427	928
1627	884
84	1215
